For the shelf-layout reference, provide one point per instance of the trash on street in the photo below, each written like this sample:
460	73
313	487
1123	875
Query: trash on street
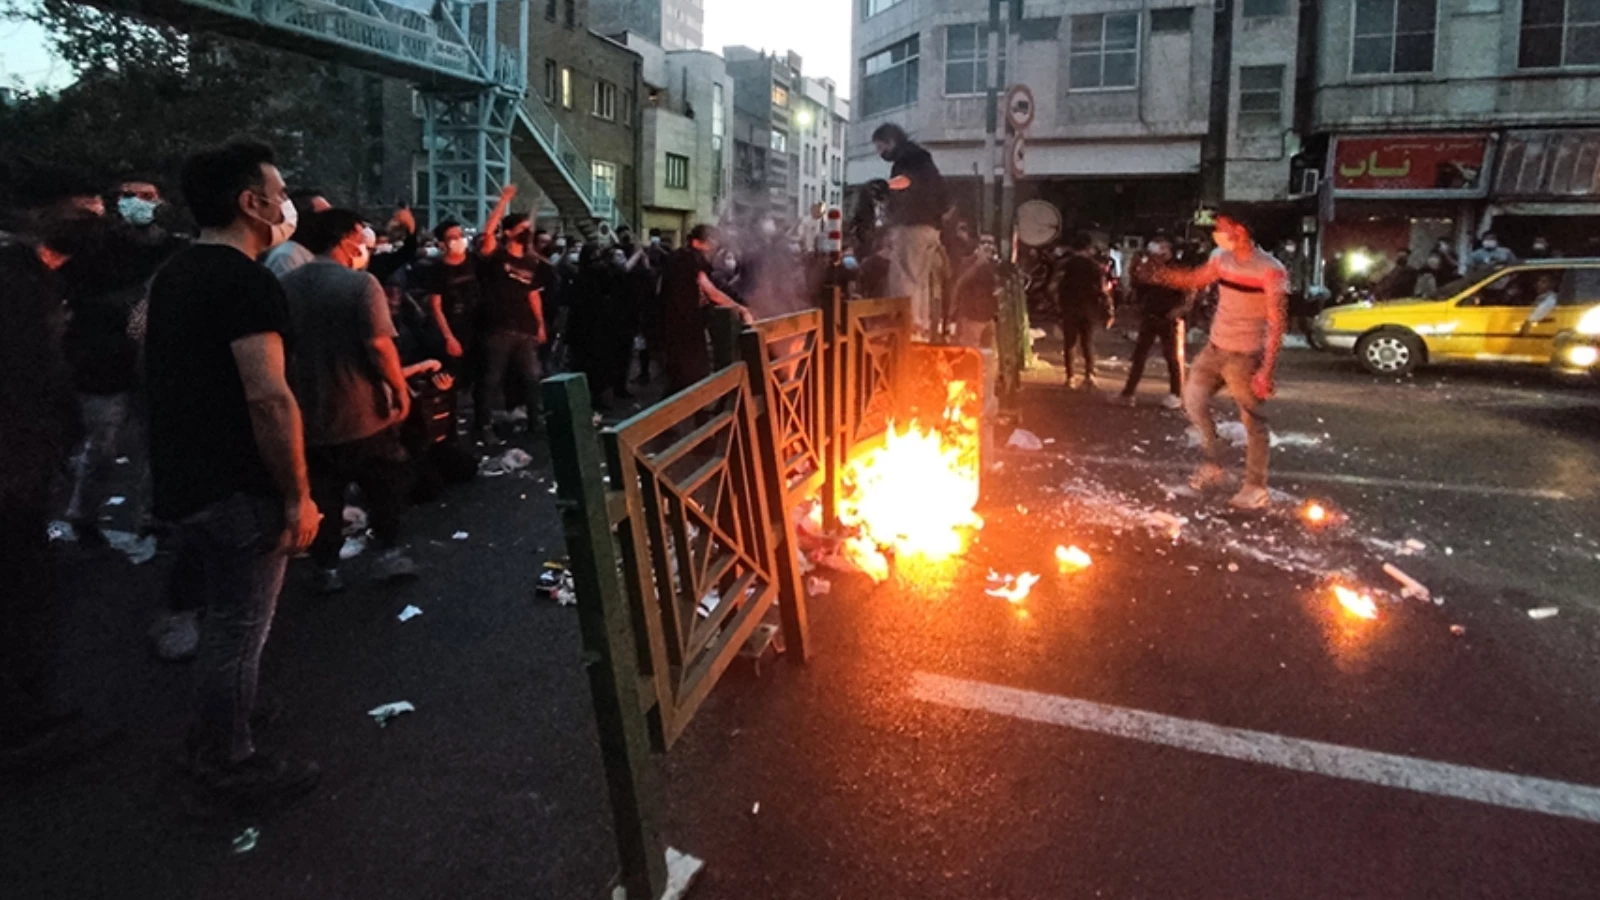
1543	612
409	613
1023	439
246	840
1012	588
1072	559
382	714
1410	587
459	536
818	587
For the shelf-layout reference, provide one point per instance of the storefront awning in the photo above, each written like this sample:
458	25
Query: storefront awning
1550	165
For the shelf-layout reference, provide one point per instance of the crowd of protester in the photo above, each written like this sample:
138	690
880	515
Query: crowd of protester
285	359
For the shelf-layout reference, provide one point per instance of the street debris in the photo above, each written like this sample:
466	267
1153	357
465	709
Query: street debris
139	549
1072	559
355	520
1458	630
512	460
459	536
1359	605
1543	612
1023	439
246	840
1012	588
1410	587
818	587
409	613
555	583
382	714
1233	567
1235	434
708	604
353	547
1171	524
116	501
755	808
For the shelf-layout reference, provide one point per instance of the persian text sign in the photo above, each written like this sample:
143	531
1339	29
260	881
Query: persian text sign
1441	165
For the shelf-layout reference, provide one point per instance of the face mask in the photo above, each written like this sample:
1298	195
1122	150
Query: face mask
573	257
137	210
729	263
368	236
618	261
849	262
768	228
1491	245
431	252
382	248
655	242
1540	248
284	230
457	246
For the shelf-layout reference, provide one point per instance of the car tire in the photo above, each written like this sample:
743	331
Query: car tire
1390	352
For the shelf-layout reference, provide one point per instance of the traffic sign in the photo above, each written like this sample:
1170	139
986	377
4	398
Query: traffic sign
1019	107
1015	154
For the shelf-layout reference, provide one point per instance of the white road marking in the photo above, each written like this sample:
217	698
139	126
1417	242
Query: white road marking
1484	490
1540	795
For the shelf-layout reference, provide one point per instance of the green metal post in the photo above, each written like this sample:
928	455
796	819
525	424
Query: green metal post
633	776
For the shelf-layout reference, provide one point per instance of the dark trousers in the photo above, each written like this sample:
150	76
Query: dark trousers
1078	331
30	613
502	350
1170	333
378	465
237	545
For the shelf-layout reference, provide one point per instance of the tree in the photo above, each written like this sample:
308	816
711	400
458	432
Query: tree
146	95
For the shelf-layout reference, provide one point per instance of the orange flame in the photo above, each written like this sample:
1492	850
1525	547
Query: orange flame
1015	590
916	494
1071	559
1359	605
1314	513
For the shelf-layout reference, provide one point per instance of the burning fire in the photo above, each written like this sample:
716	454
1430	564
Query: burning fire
915	495
1013	589
1072	559
1359	605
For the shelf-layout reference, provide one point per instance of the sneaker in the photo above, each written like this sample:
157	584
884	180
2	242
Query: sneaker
329	581
1251	497
261	778
1207	477
394	565
1172	401
176	636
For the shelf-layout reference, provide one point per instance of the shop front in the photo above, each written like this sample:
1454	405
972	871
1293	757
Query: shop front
1547	185
1385	193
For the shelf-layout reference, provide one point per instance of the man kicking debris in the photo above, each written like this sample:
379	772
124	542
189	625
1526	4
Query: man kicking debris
1246	336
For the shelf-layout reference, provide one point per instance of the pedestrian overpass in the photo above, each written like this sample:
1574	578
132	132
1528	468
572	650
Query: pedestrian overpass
468	59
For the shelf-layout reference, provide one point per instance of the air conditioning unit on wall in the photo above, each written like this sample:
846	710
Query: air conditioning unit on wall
1304	183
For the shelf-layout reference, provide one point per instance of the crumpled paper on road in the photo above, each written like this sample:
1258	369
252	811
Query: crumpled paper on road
382	714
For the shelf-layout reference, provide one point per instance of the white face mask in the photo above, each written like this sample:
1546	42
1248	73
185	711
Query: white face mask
284	230
137	210
457	246
572	257
768	227
1491	245
655	242
431	252
849	262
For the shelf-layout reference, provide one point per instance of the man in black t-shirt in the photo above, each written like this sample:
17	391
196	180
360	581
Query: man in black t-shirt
1161	311
455	299
226	451
513	284
1083	305
685	289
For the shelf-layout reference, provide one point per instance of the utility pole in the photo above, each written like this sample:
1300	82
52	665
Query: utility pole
1214	150
1008	193
990	214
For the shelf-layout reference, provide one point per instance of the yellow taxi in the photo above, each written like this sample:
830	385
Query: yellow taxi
1545	312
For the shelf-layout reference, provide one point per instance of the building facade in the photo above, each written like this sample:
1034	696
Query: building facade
685	170
821	120
1442	119
671	24
790	135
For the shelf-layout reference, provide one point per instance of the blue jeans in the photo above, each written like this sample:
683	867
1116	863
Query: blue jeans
110	421
234	544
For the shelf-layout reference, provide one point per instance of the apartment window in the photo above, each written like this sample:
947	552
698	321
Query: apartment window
677	171
780	96
718	123
605	100
566	87
780	141
550	10
966	59
1261	95
870	8
1393	36
1559	33
552	80
1104	51
889	77
627	108
1261	9
604	181
572	13
1176	20
419	107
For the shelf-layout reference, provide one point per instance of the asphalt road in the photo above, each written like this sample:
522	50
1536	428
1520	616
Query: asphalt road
870	783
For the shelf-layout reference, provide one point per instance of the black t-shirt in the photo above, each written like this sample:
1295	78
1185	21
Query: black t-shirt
459	290
1083	287
202	445
681	320
507	281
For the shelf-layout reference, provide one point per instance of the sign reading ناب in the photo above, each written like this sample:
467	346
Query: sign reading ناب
1445	165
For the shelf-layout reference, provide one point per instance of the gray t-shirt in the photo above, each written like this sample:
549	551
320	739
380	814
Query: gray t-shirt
1245	287
336	313
286	257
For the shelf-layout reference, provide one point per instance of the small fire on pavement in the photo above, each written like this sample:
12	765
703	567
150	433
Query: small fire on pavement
1072	559
1359	605
915	495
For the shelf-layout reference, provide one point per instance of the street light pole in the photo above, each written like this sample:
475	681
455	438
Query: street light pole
990	214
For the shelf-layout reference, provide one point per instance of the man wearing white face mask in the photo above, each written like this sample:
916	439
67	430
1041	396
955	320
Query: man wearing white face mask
346	373
227	453
288	255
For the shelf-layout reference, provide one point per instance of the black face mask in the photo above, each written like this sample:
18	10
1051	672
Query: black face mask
888	155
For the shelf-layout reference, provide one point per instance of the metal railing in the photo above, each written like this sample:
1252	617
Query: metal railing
541	122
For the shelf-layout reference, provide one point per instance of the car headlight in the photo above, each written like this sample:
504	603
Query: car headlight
1590	323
